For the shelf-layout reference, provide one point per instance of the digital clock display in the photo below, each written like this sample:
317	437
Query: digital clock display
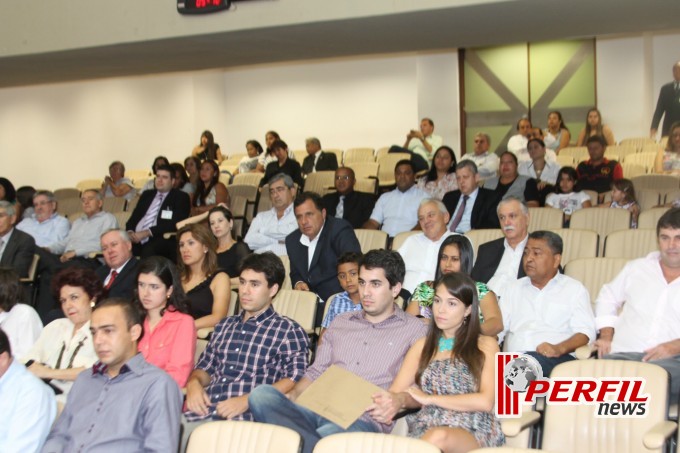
202	6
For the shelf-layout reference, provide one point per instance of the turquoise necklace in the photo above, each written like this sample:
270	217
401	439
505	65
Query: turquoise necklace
446	344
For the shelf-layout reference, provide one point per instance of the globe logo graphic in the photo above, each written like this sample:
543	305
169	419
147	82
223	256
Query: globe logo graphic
520	372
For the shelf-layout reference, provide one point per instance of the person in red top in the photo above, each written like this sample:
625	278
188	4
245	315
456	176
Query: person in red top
598	172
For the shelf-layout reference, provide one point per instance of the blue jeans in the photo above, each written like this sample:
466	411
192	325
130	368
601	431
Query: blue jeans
548	363
268	405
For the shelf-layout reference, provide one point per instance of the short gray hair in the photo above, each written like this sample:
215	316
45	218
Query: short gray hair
485	135
287	180
467	163
123	234
313	140
434	201
44	193
523	205
96	192
8	207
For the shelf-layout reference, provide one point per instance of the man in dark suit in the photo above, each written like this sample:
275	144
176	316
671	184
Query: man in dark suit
470	207
668	104
499	262
16	247
356	207
314	249
317	160
119	274
157	213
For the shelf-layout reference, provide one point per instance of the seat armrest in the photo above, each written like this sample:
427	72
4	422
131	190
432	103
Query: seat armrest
659	434
205	332
513	426
585	352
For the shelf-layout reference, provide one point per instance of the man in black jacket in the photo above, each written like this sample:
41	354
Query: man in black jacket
355	207
668	104
119	274
317	160
470	207
16	247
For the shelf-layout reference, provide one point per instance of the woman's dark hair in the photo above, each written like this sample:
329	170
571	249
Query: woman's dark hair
224	211
210	149
626	186
180	173
467	254
164	161
202	190
559	116
465	346
432	174
10	288
670	146
78	277
278	144
25	196
537	140
166	272
255	144
202	234
10	193
569	171
276	137
598	128
196	160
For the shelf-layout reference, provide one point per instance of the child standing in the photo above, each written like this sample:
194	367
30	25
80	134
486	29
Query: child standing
565	198
623	197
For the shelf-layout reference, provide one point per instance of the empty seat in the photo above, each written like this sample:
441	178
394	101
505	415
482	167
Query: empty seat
601	220
371	239
545	219
650	217
353	155
242	437
577	244
630	244
479	237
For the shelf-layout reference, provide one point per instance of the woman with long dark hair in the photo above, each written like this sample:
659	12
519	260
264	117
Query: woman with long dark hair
442	175
230	252
557	135
209	191
594	126
207	149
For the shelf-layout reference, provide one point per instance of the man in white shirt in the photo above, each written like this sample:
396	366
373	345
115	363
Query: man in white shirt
546	315
647	326
423	142
269	229
487	162
499	262
397	211
420	251
518	142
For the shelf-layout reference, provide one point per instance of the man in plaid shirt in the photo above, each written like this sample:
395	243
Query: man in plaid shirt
256	347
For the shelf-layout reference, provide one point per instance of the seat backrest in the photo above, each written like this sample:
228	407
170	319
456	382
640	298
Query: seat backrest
650	217
621	150
89	184
632	170
122	218
286	265
69	206
637	142
248	179
373	443
601	220
594	272
365	169
579	153
365	185
242	437
243	190
66	192
577	244
300	306
320	181
358	155
566	160
114	204
264	202
371	239
575	428
401	237
647	198
630	244
479	237
387	164
662	183
545	219
594	197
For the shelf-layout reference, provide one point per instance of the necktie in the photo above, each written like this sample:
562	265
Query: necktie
149	219
111	280
340	210
459	214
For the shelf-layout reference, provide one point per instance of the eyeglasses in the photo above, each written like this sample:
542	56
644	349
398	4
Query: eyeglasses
343	178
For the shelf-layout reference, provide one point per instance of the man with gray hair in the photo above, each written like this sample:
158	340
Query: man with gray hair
268	231
470	207
420	251
546	314
16	247
487	161
119	273
317	160
45	225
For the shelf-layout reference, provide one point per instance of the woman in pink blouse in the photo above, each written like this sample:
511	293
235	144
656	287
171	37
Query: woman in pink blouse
442	175
169	339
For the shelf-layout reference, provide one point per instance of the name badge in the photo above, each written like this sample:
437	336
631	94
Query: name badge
166	214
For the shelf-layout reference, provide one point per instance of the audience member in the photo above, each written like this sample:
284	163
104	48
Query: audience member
157	213
380	278
24	204
557	135
45	225
510	183
210	191
27	405
169	339
544	171
668	104
116	184
16	247
456	255
7	191
419	251
454	359
207	149
157	162
623	197
421	143
314	249
470	206
64	347
181	180
193	165
499	262
282	164
119	271
248	163
19	321
230	252
546	314
258	344
349	299
207	288
124	403
598	173
637	312
442	175
269	229
565	197
487	161
595	126
268	156
316	159
345	202
397	211
517	144
668	160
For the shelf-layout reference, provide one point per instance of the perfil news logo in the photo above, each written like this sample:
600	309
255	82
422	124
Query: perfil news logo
519	380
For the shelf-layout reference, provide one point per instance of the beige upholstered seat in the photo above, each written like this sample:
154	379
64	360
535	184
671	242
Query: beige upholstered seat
69	206
122	218
662	183
650	217
89	184
601	220
579	153
594	272
248	179
545	219
644	159
507	450
647	198
339	154
243	437
479	237
633	170
565	160
401	237
66	192
320	181
637	142
132	204
371	239
114	204
248	192
366	185
670	196
353	155
264	203
621	151
630	244
363	170
286	265
577	244
372	443
135	174
299	306
387	164
299	155
593	197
